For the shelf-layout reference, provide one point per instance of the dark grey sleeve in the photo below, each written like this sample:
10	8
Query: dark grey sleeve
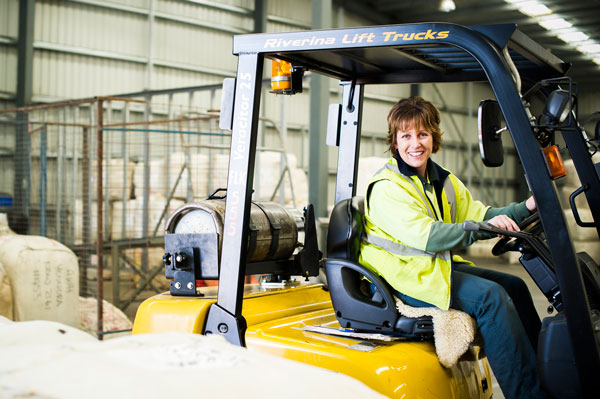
451	236
515	211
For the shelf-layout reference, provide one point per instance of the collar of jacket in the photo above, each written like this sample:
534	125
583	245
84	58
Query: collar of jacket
437	174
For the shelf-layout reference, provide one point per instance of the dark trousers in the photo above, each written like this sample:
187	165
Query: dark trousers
507	321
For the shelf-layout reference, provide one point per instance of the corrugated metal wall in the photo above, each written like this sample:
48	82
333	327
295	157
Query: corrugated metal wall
86	48
9	10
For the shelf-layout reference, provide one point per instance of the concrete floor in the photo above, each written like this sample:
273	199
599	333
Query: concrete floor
539	300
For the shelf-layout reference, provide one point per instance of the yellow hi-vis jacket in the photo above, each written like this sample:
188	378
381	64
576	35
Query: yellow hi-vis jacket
399	217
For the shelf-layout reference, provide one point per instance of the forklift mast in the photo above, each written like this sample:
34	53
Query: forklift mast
411	53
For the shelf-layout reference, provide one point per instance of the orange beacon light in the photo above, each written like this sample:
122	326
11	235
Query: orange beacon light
555	162
281	76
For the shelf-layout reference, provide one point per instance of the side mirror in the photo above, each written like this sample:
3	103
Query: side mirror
489	120
558	106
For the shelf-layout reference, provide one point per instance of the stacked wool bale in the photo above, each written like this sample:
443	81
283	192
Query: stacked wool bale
114	189
268	172
367	167
39	278
585	239
131	215
163	171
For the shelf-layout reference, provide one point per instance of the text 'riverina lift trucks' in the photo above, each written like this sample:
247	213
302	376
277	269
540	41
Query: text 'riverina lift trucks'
231	237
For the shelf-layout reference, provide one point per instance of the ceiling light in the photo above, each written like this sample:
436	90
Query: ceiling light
447	6
554	23
597	60
589	48
533	9
573	36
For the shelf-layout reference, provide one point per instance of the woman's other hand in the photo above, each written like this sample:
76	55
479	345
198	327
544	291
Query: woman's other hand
530	204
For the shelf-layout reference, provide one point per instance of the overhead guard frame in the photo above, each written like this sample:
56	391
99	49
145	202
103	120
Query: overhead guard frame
409	55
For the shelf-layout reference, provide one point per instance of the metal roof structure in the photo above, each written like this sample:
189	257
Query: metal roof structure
583	14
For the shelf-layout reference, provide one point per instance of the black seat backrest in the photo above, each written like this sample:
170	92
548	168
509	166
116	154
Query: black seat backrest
362	299
345	229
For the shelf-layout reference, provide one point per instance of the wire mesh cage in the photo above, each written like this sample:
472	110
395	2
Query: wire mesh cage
102	175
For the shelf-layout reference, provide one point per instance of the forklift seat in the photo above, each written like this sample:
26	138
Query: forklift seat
359	305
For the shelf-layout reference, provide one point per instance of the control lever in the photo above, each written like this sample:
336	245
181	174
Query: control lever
534	242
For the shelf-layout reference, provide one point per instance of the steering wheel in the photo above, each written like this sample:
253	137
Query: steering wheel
530	224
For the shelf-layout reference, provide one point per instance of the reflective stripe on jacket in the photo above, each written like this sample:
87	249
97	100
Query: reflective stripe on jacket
399	254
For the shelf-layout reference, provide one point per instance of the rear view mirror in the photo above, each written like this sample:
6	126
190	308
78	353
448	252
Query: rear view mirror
489	120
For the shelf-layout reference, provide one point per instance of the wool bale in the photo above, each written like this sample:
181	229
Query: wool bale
565	191
220	168
572	178
133	216
69	364
112	178
44	277
482	249
591	247
367	167
6	300
200	173
113	319
4	227
577	232
79	222
157	178
300	186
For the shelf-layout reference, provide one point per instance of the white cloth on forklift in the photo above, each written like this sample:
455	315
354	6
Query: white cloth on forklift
453	330
42	359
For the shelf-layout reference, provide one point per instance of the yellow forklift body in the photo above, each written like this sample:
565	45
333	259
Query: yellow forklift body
276	324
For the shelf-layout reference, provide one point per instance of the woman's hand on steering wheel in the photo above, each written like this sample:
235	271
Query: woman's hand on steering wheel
505	223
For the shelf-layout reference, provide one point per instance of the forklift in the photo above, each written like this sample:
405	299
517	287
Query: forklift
335	324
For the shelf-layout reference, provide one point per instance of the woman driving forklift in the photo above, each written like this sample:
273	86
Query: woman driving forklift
414	211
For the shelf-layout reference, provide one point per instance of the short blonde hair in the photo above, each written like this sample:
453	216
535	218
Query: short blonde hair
414	112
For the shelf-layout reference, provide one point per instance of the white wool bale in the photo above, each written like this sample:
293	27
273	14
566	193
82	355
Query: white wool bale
44	277
176	162
512	257
4	227
482	249
572	178
112	178
565	191
267	172
157	178
199	169
79	223
6	300
300	186
123	213
136	366
113	319
220	168
156	207
591	247
367	167
577	232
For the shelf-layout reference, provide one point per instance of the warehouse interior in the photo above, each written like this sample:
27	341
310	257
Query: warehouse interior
110	122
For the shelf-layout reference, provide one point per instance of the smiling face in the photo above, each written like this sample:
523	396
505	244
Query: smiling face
415	146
